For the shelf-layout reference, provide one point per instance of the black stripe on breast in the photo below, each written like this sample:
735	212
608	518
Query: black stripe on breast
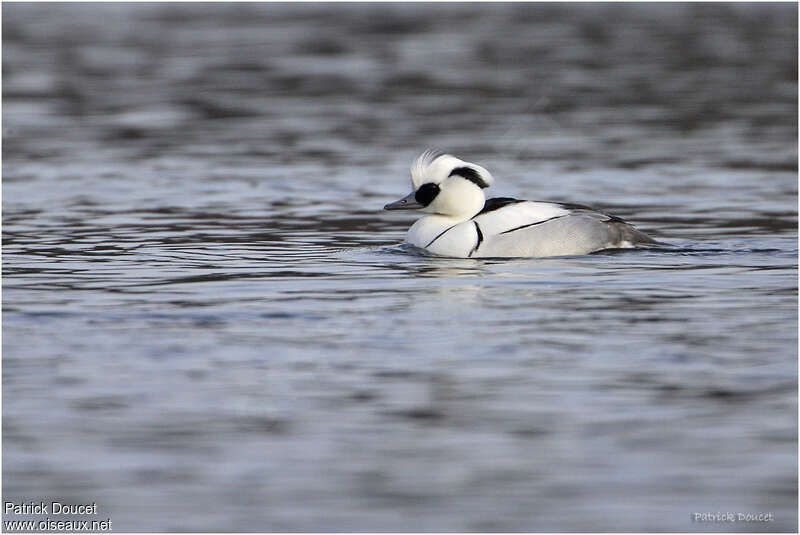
439	236
480	238
532	224
496	203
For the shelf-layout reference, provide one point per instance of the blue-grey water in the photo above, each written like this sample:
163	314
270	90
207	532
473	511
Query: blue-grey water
209	323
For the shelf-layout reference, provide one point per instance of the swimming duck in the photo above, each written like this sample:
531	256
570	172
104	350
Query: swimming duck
464	224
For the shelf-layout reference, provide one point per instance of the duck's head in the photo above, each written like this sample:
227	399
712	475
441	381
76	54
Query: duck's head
443	184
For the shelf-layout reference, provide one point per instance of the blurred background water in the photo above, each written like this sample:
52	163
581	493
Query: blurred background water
209	325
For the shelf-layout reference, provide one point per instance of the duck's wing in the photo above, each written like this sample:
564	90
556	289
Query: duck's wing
621	231
504	214
535	228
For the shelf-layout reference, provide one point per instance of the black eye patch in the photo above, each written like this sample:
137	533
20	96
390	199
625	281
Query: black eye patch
470	174
426	193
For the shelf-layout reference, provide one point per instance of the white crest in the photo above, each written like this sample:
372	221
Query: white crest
435	166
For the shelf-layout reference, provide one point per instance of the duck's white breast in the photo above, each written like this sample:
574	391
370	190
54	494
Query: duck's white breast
443	235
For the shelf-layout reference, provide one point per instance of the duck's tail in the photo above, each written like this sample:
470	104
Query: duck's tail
637	238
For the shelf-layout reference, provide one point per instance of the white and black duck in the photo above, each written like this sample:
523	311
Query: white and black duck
464	224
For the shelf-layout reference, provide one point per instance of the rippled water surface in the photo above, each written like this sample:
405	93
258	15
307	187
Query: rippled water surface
209	323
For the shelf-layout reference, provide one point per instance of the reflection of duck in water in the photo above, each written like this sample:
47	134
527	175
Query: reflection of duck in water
464	224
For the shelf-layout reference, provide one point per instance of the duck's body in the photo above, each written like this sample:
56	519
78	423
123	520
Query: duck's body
513	228
463	224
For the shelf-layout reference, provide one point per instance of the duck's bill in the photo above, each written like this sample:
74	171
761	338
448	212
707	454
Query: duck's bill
406	203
